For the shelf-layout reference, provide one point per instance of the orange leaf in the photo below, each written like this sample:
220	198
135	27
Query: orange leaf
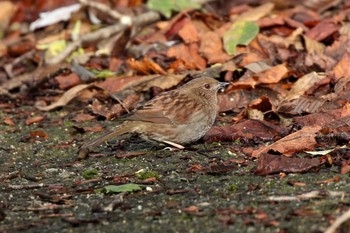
9	121
33	120
188	55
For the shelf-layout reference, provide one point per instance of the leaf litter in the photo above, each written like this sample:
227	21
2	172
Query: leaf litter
288	68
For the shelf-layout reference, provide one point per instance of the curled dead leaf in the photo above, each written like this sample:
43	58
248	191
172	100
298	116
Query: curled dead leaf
65	98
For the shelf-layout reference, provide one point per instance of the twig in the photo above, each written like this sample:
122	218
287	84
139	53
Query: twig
103	8
306	196
27	186
43	207
57	215
146	18
344	217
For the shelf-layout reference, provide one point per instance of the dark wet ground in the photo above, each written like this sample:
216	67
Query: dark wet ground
208	188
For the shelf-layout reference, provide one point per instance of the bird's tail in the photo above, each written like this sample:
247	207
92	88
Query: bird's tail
124	128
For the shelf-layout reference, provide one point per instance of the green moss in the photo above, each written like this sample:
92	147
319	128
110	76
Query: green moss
232	187
89	174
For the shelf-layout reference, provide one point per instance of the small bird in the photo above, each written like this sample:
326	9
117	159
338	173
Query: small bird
176	117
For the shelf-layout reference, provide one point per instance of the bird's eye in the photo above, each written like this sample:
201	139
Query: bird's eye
207	86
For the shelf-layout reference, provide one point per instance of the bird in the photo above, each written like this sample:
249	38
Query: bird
177	117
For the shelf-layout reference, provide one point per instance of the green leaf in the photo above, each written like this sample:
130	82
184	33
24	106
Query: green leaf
121	188
240	33
102	73
76	30
167	6
76	53
53	48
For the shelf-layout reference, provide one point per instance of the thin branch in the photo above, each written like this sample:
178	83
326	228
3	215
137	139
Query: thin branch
27	186
307	196
103	8
141	20
344	217
43	207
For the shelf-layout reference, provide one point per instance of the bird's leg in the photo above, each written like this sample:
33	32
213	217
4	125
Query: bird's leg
173	144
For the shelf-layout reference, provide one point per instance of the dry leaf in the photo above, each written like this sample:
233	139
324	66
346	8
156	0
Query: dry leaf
272	164
188	55
8	121
65	98
303	139
189	33
212	49
33	120
303	84
146	66
256	12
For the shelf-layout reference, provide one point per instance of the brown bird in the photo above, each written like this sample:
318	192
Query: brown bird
180	116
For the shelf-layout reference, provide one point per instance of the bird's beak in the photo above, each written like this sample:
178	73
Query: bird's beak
222	85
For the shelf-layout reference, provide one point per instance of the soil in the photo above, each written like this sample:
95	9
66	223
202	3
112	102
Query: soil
204	188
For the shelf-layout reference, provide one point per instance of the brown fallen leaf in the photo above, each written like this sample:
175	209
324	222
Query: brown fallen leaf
9	121
218	169
212	49
249	58
115	110
33	120
65	98
191	209
231	101
255	13
178	191
345	167
98	108
248	129
303	84
303	139
188	55
189	32
270	21
261	215
337	49
301	105
342	68
304	211
129	155
67	81
116	84
145	66
195	168
296	183
331	180
322	30
272	164
81	117
273	75
39	134
314	119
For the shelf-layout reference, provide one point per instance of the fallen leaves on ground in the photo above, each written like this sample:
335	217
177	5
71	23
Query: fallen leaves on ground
288	70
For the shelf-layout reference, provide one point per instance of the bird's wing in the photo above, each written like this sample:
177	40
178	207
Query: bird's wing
168	108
